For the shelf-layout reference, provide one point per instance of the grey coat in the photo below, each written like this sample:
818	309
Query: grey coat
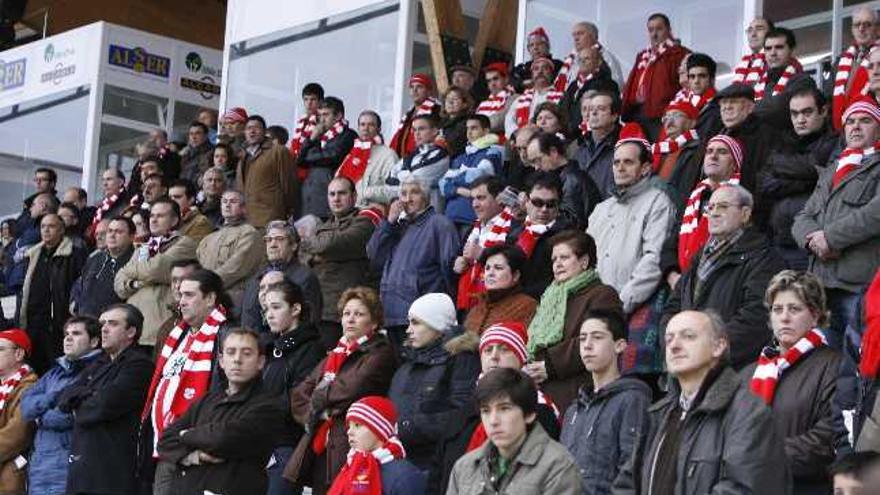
728	444
850	217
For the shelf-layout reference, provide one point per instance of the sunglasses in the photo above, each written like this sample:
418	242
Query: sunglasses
540	203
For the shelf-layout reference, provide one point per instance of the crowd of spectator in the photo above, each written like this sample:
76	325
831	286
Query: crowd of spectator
567	282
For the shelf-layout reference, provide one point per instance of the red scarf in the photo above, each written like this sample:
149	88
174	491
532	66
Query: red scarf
671	146
470	284
530	235
178	384
9	384
561	82
404	142
698	101
523	105
479	437
355	163
771	365
793	68
869	363
849	160
302	133
331	133
495	103
106	205
362	473
584	127
332	364
646	59
750	68
841	97
694	230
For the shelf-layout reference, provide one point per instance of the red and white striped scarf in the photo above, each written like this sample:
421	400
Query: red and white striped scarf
355	163
10	383
845	66
183	371
362	472
106	205
404	142
523	105
561	82
530	235
667	146
332	365
302	133
495	103
470	284
479	436
849	160
771	365
694	231
698	101
334	131
750	68
584	126
646	59
791	69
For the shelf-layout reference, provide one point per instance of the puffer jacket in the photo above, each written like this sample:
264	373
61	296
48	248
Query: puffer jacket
603	429
427	389
850	217
47	471
481	158
728	444
415	258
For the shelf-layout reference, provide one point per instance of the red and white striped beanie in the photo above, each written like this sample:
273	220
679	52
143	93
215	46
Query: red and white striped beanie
377	414
864	105
733	145
508	333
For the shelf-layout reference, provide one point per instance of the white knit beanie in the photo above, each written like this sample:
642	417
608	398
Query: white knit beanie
436	310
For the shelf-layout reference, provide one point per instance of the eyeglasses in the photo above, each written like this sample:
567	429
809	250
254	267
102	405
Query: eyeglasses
278	238
720	207
863	25
539	203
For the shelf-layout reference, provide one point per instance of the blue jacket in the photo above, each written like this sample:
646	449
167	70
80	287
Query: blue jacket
415	258
401	477
478	160
47	472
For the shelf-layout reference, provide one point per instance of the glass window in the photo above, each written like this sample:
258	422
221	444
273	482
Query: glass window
26	143
134	105
184	114
783	10
354	60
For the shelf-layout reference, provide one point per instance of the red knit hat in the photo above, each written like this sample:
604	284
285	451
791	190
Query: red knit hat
18	337
684	107
499	67
864	104
423	79
512	334
733	145
236	114
539	32
373	214
632	133
376	413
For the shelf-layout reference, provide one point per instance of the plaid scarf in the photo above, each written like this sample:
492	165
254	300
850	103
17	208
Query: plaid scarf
355	163
9	384
694	229
667	146
330	134
771	365
178	383
470	284
791	69
332	364
156	243
362	472
843	89
849	160
713	252
495	103
523	105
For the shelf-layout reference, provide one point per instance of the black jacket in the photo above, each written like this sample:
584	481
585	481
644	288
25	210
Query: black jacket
454	131
579	194
93	290
537	273
331	154
757	138
106	400
602	430
252	315
728	444
595	159
428	389
687	172
290	358
735	289
709	122
240	429
786	182
571	101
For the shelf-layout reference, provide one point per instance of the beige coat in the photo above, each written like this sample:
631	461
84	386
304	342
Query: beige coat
269	183
16	436
371	188
196	226
153	279
235	252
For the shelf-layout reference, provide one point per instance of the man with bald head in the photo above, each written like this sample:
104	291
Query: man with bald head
852	73
593	74
54	264
586	35
709	419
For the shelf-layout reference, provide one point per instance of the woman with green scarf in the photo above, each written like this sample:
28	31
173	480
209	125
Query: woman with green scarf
555	362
